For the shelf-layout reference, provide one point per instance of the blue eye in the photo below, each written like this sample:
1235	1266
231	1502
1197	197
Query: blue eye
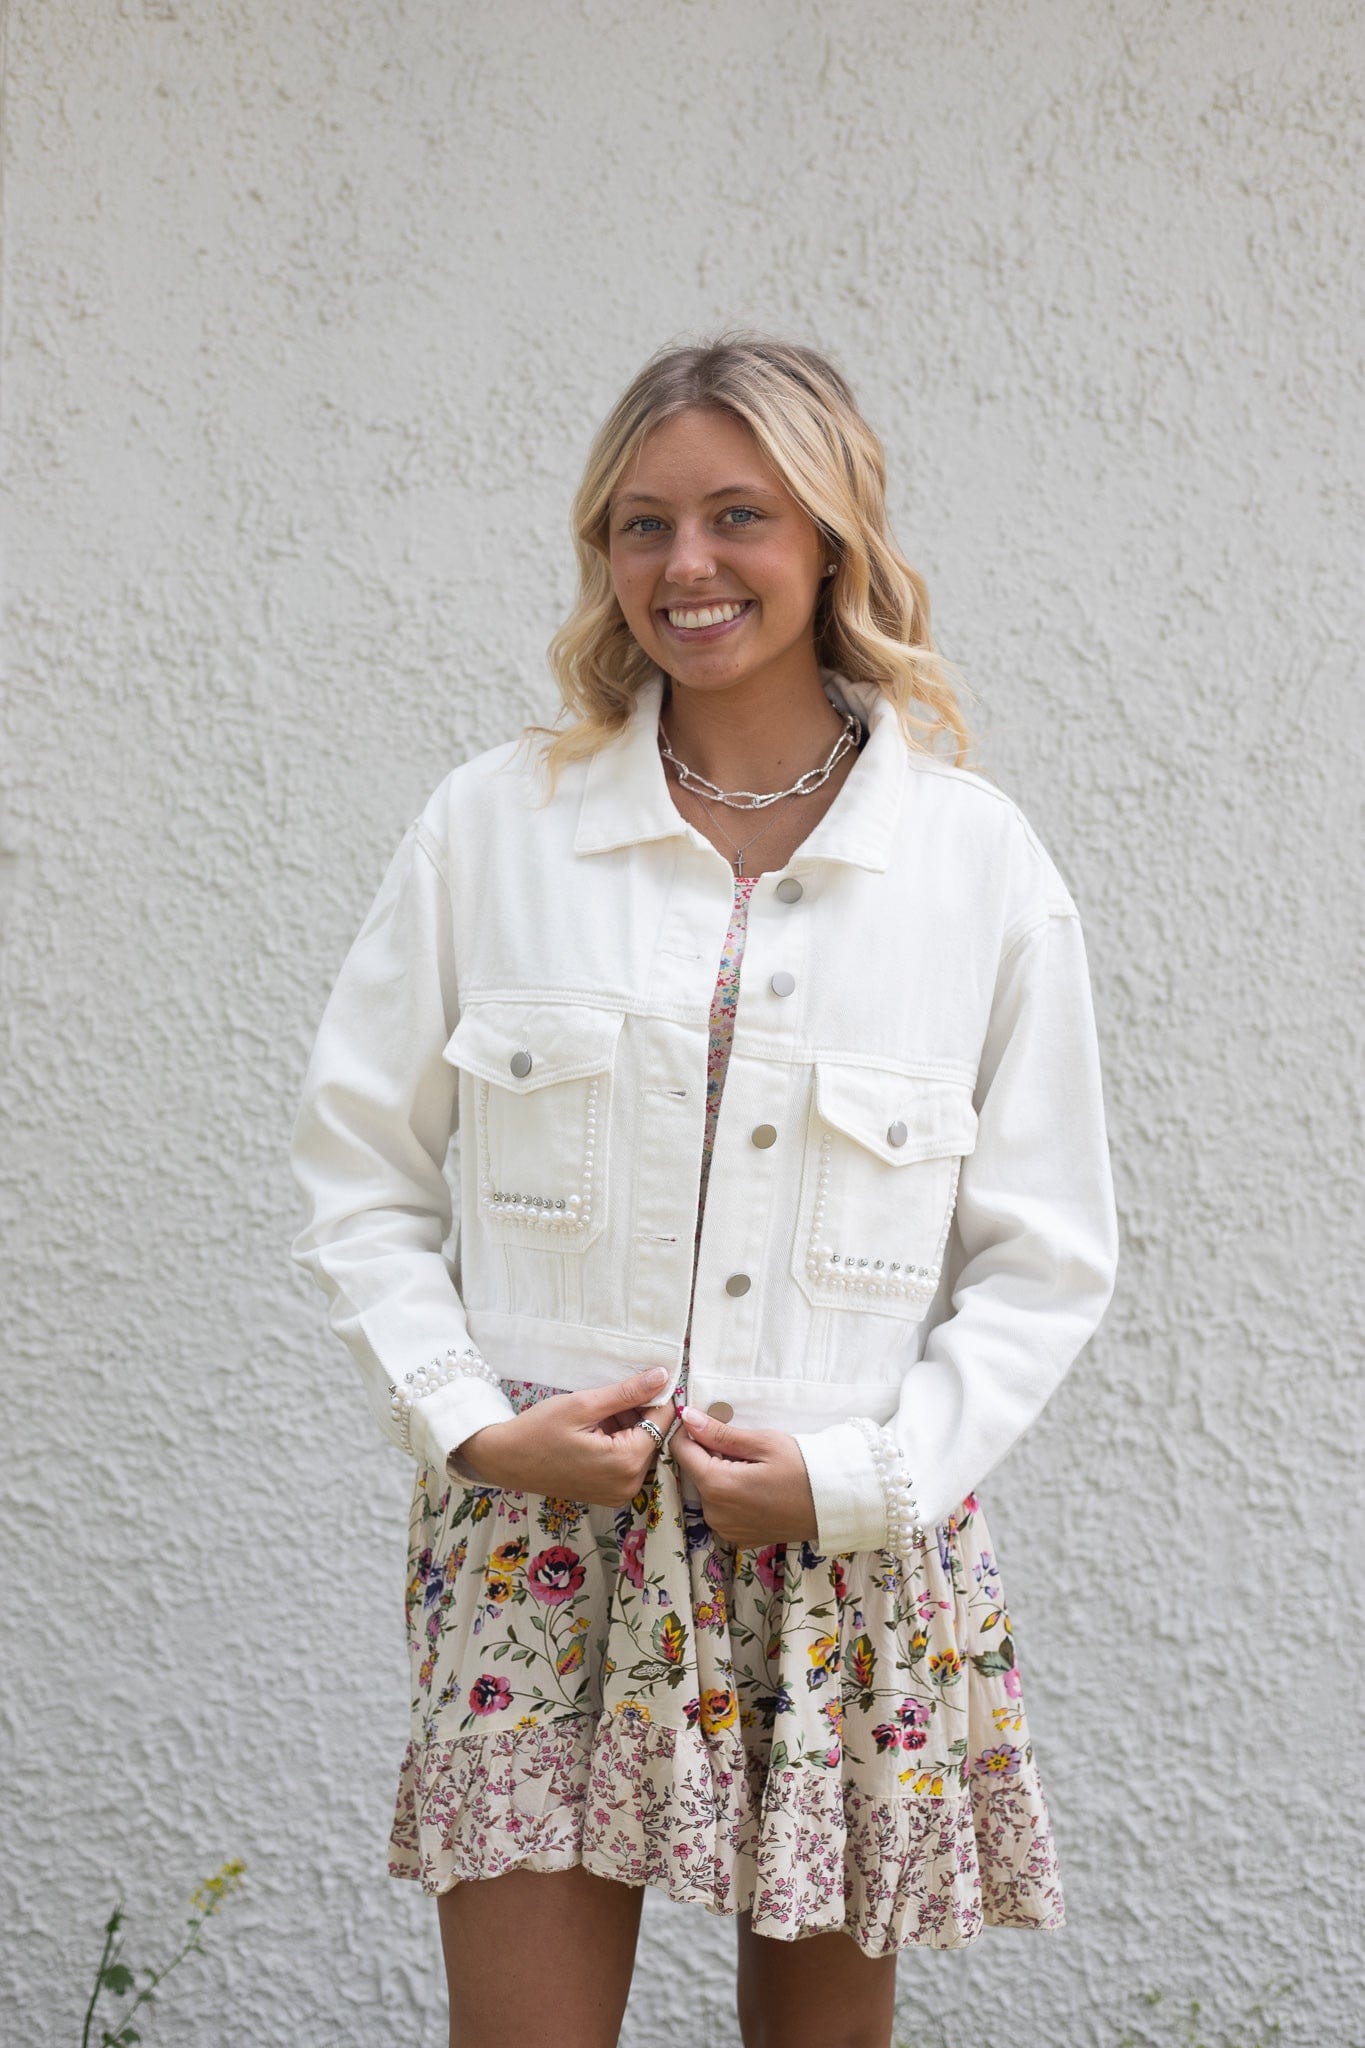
746	513
641	519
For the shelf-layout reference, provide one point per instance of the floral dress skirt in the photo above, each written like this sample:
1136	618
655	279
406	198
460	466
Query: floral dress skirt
826	1742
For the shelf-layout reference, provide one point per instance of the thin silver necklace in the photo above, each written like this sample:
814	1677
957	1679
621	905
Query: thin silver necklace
760	800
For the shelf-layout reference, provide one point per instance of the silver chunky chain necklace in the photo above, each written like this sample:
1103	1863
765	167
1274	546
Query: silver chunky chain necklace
759	800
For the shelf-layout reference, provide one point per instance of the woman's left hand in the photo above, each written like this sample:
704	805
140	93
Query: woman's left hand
752	1482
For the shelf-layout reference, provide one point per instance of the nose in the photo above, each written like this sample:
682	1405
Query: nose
692	557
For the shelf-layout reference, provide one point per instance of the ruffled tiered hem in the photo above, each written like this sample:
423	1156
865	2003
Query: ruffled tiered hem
712	1823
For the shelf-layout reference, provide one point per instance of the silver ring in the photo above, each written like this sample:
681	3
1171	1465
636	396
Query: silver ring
654	1430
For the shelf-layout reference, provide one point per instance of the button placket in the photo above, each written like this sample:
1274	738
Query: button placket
729	1305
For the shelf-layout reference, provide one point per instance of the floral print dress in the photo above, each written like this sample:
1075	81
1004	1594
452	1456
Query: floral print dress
828	1742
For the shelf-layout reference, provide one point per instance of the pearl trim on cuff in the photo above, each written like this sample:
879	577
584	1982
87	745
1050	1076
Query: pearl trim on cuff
903	1528
425	1379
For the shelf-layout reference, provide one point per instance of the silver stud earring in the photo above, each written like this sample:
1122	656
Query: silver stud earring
830	568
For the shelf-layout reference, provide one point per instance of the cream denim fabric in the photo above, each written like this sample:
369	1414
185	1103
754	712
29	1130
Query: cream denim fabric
927	1242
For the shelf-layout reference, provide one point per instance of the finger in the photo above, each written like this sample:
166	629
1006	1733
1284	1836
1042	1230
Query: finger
597	1403
691	1458
725	1439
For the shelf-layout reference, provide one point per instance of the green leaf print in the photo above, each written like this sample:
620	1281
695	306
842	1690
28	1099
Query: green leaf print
990	1662
669	1638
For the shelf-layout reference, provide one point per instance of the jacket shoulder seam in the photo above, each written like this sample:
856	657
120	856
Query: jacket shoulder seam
1037	918
431	848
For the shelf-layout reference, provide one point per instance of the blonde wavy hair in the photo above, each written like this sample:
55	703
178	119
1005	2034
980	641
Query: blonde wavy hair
872	616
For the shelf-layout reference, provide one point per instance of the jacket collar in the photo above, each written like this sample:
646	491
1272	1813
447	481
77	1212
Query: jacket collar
626	797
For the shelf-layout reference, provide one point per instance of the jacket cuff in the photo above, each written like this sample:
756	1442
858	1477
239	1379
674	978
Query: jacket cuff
441	1421
850	1507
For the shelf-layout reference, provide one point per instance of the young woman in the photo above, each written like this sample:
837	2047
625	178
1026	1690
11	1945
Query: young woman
783	1206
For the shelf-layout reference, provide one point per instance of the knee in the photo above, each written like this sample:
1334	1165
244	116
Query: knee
764	2028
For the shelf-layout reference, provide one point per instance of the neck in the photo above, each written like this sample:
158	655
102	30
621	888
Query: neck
751	737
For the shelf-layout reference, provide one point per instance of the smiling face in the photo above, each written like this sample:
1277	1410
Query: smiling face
716	566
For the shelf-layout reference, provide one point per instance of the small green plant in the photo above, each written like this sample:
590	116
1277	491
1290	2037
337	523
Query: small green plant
1255	2029
116	1978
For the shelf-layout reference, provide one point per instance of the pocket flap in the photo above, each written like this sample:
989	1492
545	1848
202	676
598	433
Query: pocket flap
564	1040
866	1102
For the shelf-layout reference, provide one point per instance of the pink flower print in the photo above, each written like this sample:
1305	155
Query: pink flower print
906	1731
554	1575
489	1694
1014	1684
770	1566
633	1557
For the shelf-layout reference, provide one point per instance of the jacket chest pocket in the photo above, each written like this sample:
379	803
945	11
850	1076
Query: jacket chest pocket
879	1186
541	1076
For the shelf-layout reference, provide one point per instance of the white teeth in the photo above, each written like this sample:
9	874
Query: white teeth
713	615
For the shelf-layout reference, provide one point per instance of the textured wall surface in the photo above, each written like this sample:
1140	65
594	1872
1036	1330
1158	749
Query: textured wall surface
308	313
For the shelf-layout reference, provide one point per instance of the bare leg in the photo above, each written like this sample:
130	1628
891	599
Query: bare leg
822	1992
539	1958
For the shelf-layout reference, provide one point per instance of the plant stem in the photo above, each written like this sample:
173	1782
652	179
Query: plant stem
156	1977
99	1977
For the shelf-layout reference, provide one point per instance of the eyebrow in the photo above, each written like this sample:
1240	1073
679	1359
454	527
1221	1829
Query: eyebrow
725	491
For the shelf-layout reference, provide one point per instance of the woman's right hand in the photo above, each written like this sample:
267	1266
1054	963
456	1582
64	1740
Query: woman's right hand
582	1446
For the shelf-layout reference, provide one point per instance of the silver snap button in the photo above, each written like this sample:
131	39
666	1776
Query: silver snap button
721	1411
789	890
897	1133
520	1063
764	1135
738	1283
782	983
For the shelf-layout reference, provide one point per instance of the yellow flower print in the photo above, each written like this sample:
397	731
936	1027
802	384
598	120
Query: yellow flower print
646	1503
824	1657
634	1713
527	1721
710	1613
924	1782
508	1556
719	1710
946	1663
1007	1717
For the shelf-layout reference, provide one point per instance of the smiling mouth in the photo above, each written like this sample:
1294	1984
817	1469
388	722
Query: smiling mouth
705	621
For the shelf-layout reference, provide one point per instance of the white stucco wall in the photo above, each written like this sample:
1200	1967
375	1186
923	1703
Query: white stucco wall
308	312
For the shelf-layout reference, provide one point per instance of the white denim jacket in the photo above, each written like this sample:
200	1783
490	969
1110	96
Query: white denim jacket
909	1230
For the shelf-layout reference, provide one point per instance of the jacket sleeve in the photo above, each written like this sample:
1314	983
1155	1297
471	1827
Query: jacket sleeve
1036	1251
368	1151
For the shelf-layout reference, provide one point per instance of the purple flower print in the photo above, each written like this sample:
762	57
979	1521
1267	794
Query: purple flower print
998	1763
